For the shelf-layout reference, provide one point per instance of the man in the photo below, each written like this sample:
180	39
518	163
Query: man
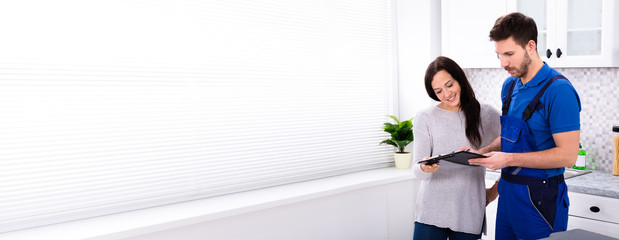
540	132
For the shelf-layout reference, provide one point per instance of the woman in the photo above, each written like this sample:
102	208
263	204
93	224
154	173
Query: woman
452	198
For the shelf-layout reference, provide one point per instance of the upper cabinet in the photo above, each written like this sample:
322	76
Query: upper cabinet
574	33
571	33
465	26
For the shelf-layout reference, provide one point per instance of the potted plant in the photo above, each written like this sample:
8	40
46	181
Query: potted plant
401	135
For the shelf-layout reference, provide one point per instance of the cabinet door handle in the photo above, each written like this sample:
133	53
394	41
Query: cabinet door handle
559	53
594	209
548	53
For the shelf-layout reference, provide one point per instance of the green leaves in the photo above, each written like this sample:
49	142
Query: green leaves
394	118
401	133
391	128
388	141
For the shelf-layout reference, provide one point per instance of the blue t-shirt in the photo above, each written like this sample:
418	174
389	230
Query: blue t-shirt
560	110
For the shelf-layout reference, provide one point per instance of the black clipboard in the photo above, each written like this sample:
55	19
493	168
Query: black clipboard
459	157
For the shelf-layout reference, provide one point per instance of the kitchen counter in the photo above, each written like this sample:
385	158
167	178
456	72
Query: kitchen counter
594	183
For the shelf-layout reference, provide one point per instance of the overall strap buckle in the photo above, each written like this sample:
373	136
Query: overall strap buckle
535	105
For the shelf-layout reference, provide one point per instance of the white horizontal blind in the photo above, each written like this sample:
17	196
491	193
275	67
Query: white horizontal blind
114	105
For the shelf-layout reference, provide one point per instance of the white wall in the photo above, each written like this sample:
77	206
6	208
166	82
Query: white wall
419	43
379	212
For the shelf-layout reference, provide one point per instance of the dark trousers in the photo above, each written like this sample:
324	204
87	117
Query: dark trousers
531	211
429	232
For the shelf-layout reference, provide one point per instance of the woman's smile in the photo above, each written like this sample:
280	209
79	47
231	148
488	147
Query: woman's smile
447	90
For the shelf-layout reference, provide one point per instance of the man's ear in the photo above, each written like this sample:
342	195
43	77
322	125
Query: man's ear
531	47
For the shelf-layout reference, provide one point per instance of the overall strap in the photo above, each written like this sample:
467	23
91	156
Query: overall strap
535	105
508	98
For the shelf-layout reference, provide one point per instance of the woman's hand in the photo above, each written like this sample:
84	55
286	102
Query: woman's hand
491	193
429	168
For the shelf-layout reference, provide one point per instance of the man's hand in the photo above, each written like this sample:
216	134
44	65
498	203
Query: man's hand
495	145
494	160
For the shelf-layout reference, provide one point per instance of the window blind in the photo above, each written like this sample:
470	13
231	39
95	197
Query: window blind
110	106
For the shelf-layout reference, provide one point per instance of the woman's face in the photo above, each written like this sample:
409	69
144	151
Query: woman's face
447	89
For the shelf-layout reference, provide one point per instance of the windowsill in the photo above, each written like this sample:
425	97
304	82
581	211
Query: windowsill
135	223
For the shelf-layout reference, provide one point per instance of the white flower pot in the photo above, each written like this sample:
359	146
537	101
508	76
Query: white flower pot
402	160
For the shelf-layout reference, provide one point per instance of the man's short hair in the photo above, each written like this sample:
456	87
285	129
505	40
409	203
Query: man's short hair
516	25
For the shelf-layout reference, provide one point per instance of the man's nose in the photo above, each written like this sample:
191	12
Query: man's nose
504	62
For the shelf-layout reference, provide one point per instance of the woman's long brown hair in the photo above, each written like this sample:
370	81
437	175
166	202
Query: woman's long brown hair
468	103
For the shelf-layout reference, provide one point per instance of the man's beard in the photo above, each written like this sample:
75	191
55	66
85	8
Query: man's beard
523	69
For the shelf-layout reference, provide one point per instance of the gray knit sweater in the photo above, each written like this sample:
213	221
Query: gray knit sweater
454	196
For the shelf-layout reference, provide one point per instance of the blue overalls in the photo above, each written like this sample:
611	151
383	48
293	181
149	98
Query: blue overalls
531	204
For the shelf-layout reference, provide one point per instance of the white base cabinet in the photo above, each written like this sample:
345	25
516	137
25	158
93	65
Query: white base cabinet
594	213
604	228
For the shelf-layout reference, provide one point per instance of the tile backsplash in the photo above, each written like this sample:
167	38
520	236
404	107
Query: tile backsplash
598	89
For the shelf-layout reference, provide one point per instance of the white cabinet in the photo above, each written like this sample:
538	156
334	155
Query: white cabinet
574	33
594	213
465	26
585	32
